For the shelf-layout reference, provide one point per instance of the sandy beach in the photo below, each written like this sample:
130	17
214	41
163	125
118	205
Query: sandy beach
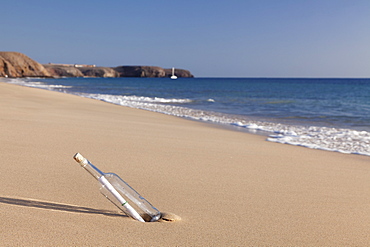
229	188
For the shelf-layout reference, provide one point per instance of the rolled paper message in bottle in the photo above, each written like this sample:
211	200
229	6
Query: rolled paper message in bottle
120	193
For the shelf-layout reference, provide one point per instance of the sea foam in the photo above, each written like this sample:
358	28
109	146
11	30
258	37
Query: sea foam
324	138
36	84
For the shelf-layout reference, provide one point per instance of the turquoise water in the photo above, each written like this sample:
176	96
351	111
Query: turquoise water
329	114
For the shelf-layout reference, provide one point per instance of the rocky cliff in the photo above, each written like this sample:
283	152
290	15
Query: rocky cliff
140	71
63	71
178	73
98	72
15	64
150	71
56	70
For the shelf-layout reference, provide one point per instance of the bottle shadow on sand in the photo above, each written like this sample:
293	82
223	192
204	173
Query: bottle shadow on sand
58	206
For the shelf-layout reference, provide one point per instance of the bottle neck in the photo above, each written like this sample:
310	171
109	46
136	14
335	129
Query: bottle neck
93	170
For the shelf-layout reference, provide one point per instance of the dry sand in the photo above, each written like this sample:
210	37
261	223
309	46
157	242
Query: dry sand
230	188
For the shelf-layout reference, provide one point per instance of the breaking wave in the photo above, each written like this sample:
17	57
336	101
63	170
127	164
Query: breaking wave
324	138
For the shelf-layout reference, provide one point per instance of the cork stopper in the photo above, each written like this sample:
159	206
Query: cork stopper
78	157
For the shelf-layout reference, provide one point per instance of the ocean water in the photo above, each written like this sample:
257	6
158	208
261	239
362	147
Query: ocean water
327	114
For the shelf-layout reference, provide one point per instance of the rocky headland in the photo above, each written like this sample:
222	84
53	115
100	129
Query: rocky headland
15	64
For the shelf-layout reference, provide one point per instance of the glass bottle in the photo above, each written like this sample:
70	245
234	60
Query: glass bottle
120	193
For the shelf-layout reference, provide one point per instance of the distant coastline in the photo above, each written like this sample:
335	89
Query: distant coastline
18	65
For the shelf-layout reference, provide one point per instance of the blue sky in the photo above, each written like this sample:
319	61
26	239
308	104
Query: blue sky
231	38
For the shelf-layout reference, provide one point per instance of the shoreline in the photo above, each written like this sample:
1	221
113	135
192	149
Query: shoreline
229	188
316	135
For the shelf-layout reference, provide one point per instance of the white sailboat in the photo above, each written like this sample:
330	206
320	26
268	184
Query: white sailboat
173	77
